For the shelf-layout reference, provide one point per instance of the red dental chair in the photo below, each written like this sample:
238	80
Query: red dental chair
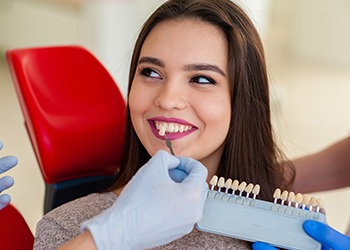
74	114
14	231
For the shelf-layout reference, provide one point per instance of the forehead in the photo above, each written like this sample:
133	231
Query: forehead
186	40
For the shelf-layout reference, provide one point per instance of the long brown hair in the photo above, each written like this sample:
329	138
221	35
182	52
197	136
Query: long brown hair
250	152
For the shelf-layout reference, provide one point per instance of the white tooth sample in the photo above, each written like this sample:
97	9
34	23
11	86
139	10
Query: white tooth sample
213	182
313	202
291	198
228	184
306	201
256	190
171	128
298	199
320	204
284	196
241	187
277	195
176	128
248	189
161	130
234	186
221	183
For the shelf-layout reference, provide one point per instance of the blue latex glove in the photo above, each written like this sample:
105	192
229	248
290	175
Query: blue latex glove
178	174
161	203
327	236
6	163
262	246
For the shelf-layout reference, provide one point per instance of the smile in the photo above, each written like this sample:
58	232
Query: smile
164	127
174	128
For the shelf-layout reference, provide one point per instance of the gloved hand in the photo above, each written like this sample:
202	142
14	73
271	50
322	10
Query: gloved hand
6	163
327	236
153	209
262	246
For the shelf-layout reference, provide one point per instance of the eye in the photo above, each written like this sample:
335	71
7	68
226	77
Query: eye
203	80
148	72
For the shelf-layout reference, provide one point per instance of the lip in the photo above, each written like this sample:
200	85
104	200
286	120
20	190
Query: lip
171	136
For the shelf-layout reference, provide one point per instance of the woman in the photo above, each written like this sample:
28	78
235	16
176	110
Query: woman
198	72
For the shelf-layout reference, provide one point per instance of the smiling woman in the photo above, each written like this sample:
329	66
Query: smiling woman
198	73
179	80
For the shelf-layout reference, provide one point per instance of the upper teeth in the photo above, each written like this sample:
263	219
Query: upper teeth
163	128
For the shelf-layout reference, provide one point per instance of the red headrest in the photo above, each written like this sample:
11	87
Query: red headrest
73	109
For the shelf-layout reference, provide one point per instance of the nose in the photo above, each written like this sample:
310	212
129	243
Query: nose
172	95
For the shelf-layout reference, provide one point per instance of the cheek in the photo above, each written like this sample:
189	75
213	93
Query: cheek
136	100
217	116
135	107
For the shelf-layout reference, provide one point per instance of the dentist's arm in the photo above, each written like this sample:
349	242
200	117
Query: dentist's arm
324	170
6	163
161	203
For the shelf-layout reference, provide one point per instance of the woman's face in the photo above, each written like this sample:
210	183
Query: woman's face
182	83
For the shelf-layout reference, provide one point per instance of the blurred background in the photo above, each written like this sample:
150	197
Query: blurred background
308	59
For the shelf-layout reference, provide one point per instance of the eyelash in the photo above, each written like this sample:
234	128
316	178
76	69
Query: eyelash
147	72
208	79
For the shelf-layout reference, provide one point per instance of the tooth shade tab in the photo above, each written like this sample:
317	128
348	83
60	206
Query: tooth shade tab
320	205
234	185
306	201
298	199
213	182
228	184
241	187
284	196
313	203
291	198
248	189
221	183
256	190
277	195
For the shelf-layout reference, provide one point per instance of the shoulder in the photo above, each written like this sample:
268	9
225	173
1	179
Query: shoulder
87	206
79	210
63	223
203	240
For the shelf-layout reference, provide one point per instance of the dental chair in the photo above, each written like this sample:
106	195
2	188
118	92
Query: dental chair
14	231
74	114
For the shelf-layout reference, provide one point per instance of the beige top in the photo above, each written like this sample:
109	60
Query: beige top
62	224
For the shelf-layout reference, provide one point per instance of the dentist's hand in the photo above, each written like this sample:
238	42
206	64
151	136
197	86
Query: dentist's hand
327	236
153	209
6	182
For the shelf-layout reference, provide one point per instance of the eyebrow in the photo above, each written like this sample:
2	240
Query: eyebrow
210	67
189	67
151	60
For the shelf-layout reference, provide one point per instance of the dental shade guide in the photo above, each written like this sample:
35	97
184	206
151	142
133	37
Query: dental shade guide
279	223
168	144
167	140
